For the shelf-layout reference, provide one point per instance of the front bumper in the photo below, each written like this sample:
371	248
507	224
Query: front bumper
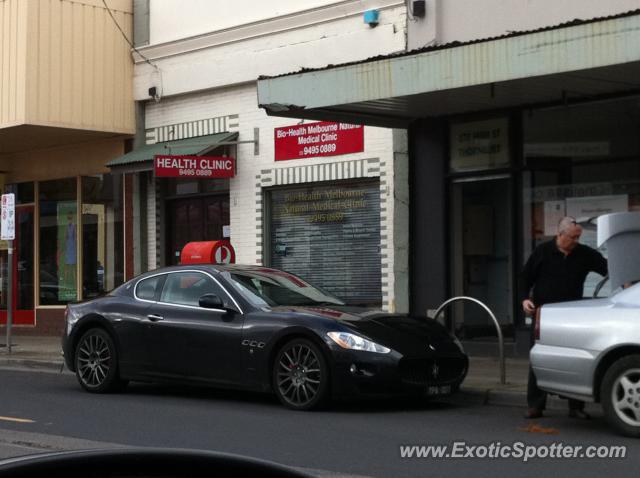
395	375
67	352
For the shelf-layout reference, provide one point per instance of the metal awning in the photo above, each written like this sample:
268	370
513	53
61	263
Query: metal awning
579	60
190	146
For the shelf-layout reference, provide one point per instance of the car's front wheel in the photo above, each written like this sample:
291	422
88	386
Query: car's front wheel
96	362
301	375
620	393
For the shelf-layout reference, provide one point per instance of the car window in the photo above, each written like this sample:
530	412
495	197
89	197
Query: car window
251	289
146	288
186	288
270	287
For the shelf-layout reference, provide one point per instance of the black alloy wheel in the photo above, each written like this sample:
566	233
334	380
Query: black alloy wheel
96	362
301	375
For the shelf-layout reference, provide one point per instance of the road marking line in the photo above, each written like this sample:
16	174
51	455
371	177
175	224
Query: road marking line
18	420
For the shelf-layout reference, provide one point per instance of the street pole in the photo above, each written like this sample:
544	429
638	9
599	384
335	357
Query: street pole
8	233
10	295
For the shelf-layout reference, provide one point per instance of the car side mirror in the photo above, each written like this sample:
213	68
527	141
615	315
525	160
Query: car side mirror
211	301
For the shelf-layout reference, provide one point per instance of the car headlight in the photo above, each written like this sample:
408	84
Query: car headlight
355	342
70	319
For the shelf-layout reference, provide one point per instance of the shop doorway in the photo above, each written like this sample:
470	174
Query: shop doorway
482	254
23	273
195	219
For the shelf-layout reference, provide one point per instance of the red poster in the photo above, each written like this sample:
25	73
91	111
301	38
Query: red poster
318	139
204	167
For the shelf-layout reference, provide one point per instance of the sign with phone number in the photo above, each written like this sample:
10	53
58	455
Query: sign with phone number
318	139
202	167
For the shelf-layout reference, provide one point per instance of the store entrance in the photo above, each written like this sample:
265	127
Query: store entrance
23	312
194	219
482	254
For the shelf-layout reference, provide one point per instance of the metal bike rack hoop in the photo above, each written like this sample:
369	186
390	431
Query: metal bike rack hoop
503	373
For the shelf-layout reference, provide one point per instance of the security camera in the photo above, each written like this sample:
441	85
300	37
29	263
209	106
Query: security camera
153	93
419	8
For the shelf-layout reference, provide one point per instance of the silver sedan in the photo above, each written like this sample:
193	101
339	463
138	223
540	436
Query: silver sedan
590	350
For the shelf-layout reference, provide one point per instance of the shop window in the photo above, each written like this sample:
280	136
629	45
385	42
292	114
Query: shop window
214	186
58	241
183	187
102	234
479	145
24	192
23	253
581	161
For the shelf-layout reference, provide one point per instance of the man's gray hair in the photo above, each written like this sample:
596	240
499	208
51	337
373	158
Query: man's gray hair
565	224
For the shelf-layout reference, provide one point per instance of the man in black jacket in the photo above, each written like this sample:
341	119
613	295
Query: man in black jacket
556	272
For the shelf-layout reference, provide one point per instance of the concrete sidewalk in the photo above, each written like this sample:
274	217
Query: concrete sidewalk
482	385
43	353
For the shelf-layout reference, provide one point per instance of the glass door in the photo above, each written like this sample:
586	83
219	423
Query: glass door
482	256
23	272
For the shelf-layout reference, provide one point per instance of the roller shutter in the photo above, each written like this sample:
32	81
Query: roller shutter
329	234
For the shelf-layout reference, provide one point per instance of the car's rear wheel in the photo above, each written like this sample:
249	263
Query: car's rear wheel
301	375
96	362
620	392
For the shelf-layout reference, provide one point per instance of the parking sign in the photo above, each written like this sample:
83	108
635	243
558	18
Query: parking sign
8	222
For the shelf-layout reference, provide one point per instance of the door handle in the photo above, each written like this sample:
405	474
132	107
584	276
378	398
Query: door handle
154	318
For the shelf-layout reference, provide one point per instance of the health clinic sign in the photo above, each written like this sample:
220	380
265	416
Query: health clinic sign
203	167
318	139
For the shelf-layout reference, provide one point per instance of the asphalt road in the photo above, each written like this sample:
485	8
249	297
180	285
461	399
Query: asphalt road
352	439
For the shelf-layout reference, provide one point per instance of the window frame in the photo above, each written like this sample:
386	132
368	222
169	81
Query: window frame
170	304
161	282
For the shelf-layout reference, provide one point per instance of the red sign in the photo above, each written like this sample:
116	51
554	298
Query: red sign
318	139
194	166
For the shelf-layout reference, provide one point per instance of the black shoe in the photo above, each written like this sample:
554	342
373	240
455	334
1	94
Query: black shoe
577	413
533	413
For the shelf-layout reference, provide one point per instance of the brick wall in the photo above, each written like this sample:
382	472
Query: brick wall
246	191
49	322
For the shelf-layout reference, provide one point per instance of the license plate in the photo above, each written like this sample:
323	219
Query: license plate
441	390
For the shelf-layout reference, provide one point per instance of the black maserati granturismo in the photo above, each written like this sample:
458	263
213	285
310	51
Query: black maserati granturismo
255	328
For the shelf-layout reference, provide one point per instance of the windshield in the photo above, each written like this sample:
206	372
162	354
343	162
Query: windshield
271	288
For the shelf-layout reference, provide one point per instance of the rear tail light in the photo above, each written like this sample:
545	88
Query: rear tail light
536	325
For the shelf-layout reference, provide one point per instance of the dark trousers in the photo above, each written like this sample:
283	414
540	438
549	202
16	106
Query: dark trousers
536	397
